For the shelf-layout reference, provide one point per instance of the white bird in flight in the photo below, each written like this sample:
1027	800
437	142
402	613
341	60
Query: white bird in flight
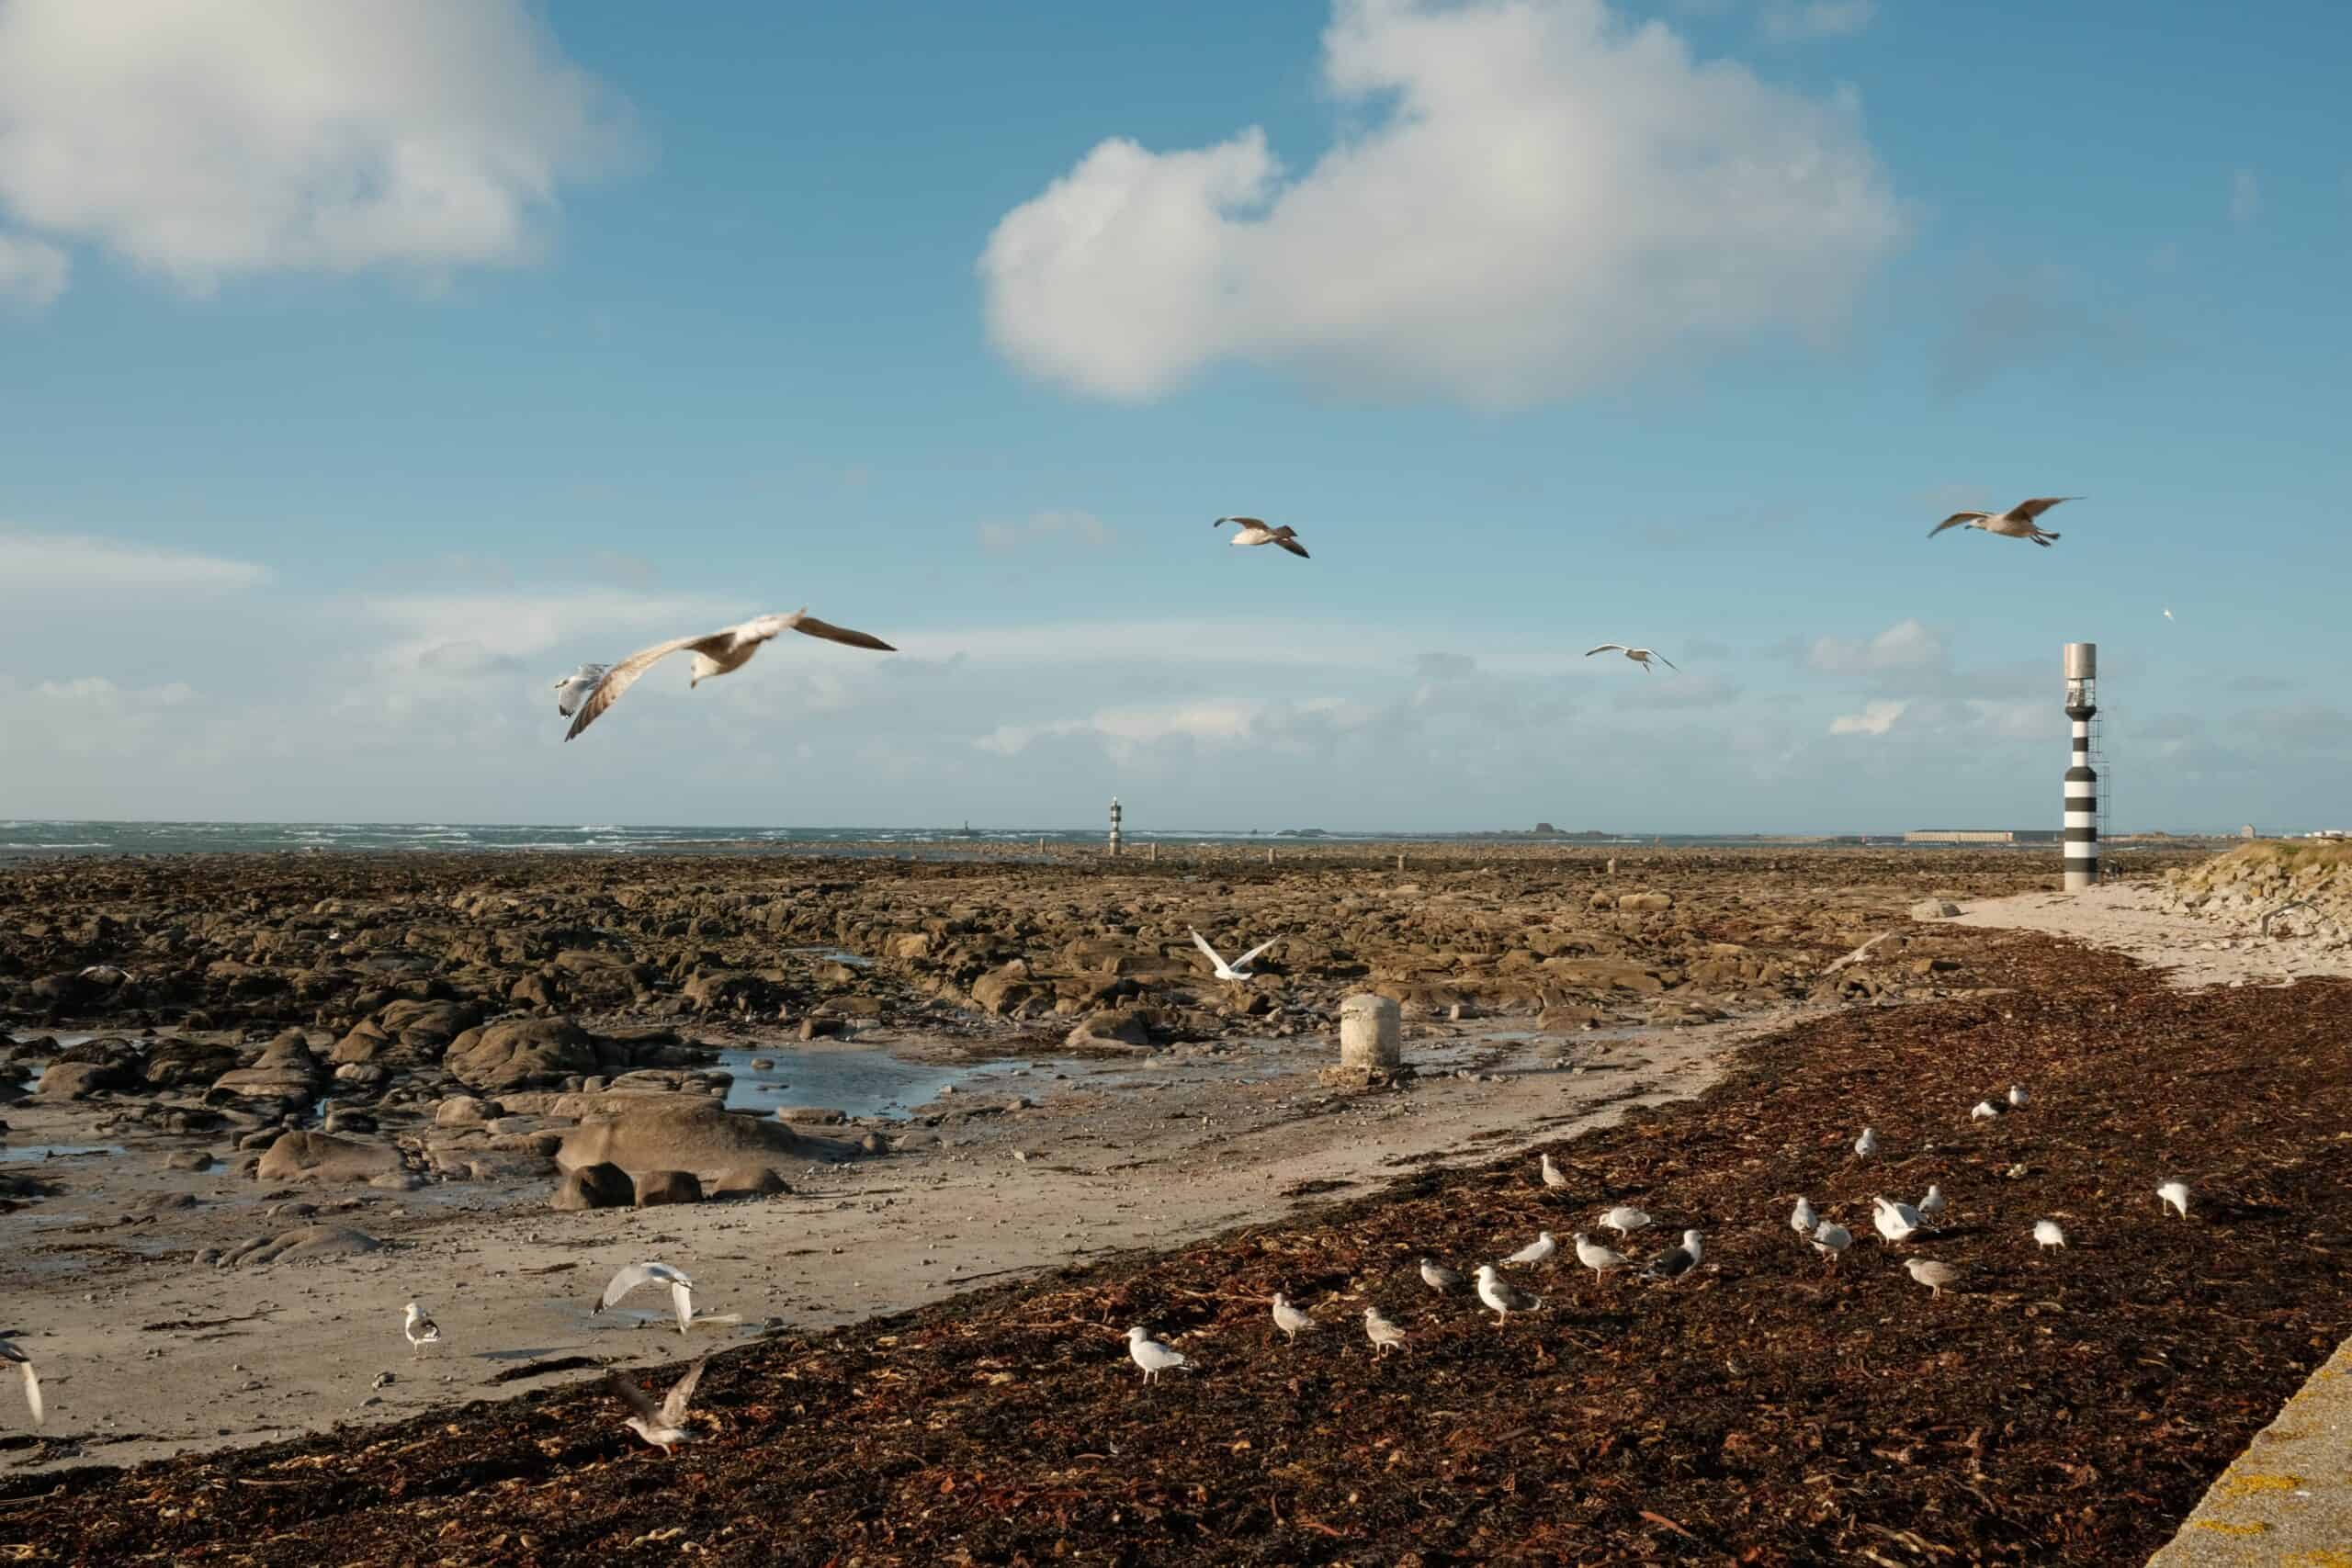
1237	970
33	1384
1536	1251
1382	1331
418	1329
1250	532
721	652
1288	1318
2047	1233
1152	1356
1503	1295
576	687
663	1425
2017	522
1831	1240
2175	1195
681	1290
1641	656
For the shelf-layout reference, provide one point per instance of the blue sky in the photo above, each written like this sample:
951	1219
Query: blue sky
365	369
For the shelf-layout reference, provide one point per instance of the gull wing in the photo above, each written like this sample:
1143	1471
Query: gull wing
682	1394
1605	648
1956	519
32	1393
622	676
830	633
1662	659
633	1276
1253	953
1203	943
2030	510
1244	522
635	1397
682	1297
1289	541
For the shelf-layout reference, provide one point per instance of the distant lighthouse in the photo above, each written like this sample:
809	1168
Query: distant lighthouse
1115	826
2082	782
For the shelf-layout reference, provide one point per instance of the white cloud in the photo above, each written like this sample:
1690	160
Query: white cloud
2245	197
32	274
1791	20
207	141
34	566
1046	527
1906	645
1225	719
1876	718
1544	199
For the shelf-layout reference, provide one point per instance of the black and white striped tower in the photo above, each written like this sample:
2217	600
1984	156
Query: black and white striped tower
1115	826
2082	783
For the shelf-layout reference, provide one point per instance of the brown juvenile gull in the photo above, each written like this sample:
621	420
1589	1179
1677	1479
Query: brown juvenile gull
663	1425
1382	1331
33	1384
2017	522
1641	656
718	653
1932	1274
1248	532
1554	1177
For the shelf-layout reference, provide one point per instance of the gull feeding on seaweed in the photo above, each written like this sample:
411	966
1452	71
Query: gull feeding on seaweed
1678	1262
2175	1195
717	653
1624	1219
1597	1257
1831	1240
2048	1235
1437	1277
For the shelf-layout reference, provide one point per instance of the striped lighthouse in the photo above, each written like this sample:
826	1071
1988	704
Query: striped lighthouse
2082	780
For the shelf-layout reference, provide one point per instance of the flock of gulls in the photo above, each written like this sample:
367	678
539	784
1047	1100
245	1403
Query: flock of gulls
584	694
1896	1222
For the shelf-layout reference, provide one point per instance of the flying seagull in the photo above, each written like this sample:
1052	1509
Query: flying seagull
681	1290
1641	656
721	652
1152	1356
1237	970
1288	1318
1503	1295
663	1425
1437	1277
2017	522
33	1384
1249	530
573	688
418	1329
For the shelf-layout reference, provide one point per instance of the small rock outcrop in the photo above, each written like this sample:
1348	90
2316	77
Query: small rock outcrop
593	1187
301	1155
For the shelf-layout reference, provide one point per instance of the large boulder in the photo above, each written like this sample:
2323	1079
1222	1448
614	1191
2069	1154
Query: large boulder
749	1182
699	1137
285	1071
174	1063
79	1080
299	1156
657	1188
464	1110
521	1052
593	1187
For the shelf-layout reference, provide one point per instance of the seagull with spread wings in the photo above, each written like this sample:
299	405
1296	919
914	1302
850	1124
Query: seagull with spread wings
1641	656
1239	970
661	1425
721	652
681	1290
2017	522
1251	531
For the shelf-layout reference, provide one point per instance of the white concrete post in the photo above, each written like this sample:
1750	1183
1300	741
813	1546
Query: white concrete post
1370	1032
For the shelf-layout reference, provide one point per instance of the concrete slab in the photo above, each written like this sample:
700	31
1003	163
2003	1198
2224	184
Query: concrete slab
2287	1501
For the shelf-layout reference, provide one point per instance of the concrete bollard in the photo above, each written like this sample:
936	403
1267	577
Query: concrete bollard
1370	1033
1269	857
1151	853
1612	865
1400	862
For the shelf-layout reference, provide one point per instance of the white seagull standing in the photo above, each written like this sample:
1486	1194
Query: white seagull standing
1537	1251
1289	1319
1831	1240
418	1329
1239	970
1625	1220
1597	1257
1679	1261
1152	1356
1867	1144
1382	1331
1554	1177
681	1290
1503	1295
1248	532
1931	1207
2047	1233
721	652
2017	522
33	1384
1802	1219
663	1425
2175	1195
1437	1277
2017	1096
1641	656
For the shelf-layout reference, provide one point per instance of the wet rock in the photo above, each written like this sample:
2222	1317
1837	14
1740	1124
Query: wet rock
814	1115
657	1188
593	1187
80	1080
174	1064
164	1203
1113	1027
285	1072
190	1159
518	1052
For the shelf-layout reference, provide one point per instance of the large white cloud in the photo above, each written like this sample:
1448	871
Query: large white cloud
206	140
1542	198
